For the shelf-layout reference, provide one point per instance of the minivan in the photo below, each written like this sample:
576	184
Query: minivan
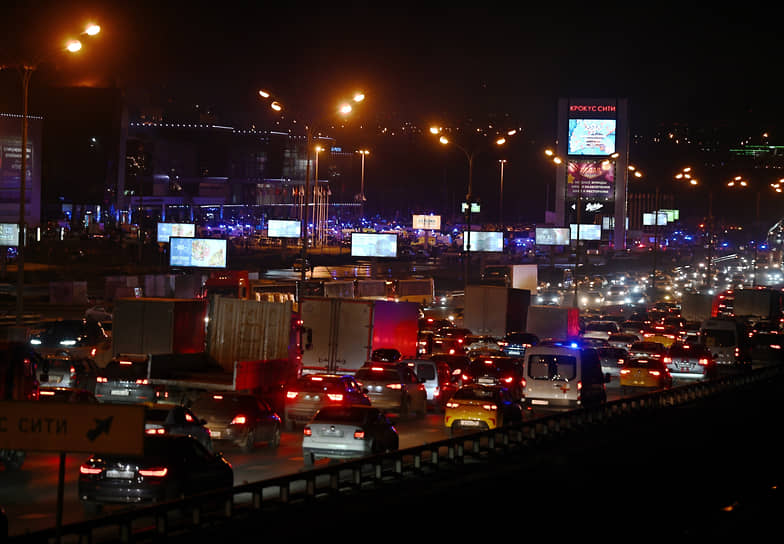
563	376
725	339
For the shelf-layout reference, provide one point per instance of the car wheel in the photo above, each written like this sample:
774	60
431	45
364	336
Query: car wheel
250	441
275	440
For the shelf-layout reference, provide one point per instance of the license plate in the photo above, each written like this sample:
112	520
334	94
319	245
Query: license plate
119	474
469	423
486	381
215	434
120	392
541	402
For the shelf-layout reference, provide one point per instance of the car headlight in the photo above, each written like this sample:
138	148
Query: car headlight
35	341
68	342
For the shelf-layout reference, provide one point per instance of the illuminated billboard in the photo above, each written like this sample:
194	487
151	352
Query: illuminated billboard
591	137
167	230
283	228
587	231
197	252
427	222
365	244
9	234
484	241
546	236
654	219
590	179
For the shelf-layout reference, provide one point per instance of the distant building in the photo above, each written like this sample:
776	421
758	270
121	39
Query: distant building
11	168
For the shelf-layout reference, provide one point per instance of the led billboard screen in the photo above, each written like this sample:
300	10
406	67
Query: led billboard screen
197	252
427	222
9	234
591	179
587	231
167	230
283	228
591	136
484	241
365	244
546	236
650	219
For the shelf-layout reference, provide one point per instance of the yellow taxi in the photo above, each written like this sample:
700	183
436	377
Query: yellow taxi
481	407
644	374
665	335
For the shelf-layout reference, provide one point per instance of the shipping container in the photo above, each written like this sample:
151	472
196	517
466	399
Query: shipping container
494	310
553	322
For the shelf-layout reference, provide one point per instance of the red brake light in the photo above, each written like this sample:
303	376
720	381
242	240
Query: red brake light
316	379
488	361
217	397
625	371
508	379
239	420
155	431
86	469
775	346
654	373
307	432
668	359
142	381
101	379
703	362
451	404
377	369
45	393
394	386
336	397
158	472
490	407
523	382
359	435
72	371
291	394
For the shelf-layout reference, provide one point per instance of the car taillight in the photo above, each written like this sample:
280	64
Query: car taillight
239	420
394	386
775	346
72	371
307	432
655	373
359	435
452	405
626	371
101	379
335	397
87	469
524	383
155	431
703	362
509	379
93	352
291	394
620	361
490	407
142	381
157	472
668	359
579	385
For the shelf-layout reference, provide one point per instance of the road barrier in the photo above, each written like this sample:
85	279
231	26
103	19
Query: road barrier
186	516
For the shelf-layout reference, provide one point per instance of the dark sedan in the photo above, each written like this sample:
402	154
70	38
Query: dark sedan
172	466
125	381
240	419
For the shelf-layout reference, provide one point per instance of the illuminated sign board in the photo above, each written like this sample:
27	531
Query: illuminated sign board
283	228
427	222
365	244
475	207
167	230
592	108
672	215
483	241
9	234
197	252
546	236
591	136
590	179
650	219
587	231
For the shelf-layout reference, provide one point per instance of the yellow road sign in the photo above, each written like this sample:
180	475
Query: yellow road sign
71	427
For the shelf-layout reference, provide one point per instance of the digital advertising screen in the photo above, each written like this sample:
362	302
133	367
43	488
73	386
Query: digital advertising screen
546	236
283	228
9	234
591	136
484	241
427	222
197	252
591	179
587	231
364	244
650	219
183	230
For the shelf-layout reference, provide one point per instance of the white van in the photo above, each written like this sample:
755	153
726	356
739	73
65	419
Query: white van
725	339
563	375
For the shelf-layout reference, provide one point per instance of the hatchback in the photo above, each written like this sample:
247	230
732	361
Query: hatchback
644	374
393	386
240	419
310	393
81	338
496	370
62	370
345	432
125	381
481	407
645	349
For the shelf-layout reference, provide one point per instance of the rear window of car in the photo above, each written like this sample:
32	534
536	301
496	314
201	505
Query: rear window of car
125	370
343	414
217	402
59	364
383	374
314	384
501	365
653	364
603	327
475	393
617	353
689	350
718	338
552	367
520	338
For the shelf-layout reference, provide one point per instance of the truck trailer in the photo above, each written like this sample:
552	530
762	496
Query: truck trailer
495	311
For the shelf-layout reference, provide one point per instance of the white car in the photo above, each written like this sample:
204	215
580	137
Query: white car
600	329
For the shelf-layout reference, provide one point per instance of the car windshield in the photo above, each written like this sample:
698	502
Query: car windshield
342	414
475	393
552	367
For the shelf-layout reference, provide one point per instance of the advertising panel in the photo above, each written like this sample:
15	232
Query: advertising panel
9	234
650	219
364	244
546	236
591	179
167	230
427	222
591	137
283	228
197	252
587	231
484	241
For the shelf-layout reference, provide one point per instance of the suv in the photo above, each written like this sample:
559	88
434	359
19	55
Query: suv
310	393
393	386
515	343
496	370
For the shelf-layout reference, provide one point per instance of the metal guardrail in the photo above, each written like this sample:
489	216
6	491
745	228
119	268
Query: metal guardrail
181	516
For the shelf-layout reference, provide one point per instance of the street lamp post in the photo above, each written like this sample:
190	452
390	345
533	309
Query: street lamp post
27	70
362	154
501	162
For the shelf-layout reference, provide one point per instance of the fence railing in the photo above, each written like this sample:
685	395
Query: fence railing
188	514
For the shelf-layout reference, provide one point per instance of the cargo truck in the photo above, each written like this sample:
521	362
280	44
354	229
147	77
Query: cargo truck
698	306
342	333
516	276
495	311
553	322
758	303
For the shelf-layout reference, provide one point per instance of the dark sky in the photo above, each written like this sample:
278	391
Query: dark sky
420	59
